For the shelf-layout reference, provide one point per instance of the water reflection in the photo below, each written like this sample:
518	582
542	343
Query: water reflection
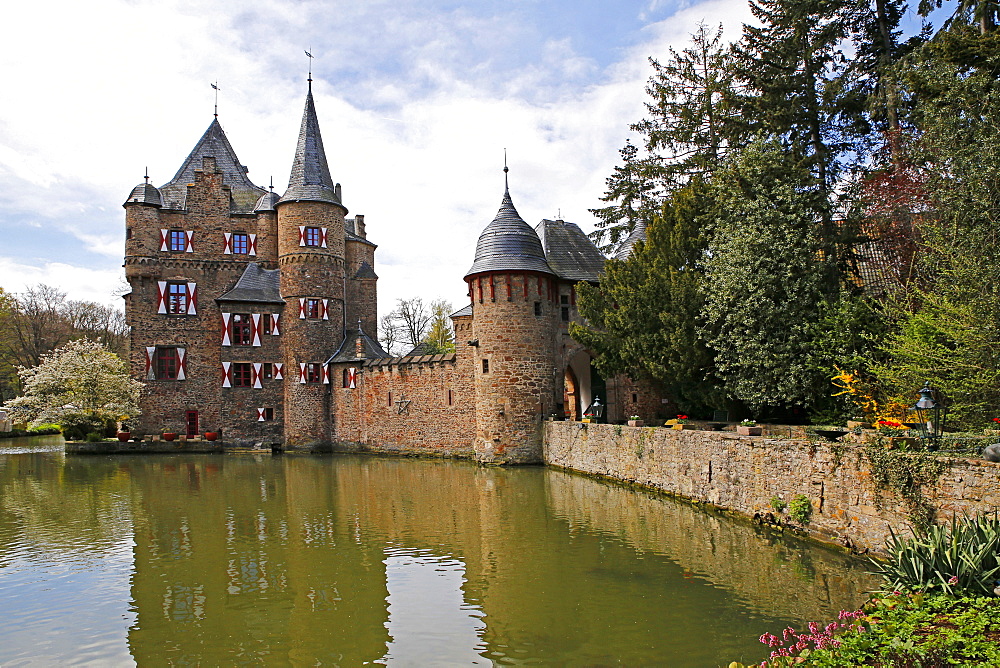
346	561
429	622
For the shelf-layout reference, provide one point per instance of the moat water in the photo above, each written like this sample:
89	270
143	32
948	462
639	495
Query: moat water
343	560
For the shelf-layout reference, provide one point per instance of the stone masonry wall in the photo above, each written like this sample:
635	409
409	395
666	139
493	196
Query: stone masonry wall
743	473
436	417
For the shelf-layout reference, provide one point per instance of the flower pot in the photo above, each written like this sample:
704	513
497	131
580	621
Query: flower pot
855	424
636	423
682	426
749	431
124	436
211	435
169	435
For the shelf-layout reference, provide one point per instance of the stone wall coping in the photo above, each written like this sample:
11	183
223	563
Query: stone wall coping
417	359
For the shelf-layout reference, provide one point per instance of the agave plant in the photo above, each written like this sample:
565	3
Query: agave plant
960	557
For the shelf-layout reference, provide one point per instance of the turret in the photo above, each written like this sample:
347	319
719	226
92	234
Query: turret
311	259
512	291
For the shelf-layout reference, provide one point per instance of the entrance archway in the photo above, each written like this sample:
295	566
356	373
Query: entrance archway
571	395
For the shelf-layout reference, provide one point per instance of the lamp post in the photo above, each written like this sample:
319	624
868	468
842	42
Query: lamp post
931	409
596	409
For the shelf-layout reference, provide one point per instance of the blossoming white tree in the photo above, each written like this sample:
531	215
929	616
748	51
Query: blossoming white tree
81	386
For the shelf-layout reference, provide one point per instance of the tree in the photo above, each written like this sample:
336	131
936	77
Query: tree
984	14
390	333
440	338
644	317
690	126
770	277
81	386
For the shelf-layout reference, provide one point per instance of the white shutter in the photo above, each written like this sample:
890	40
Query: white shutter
279	371
150	356
274	324
302	308
302	372
164	235
326	374
192	293
302	235
256	328
260	414
326	312
322	237
252	246
182	364
227	248
256	375
189	238
161	296
227	375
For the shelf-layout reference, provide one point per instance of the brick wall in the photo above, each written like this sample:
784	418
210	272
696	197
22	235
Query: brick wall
744	473
436	417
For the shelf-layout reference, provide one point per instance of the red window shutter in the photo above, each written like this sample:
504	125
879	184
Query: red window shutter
302	235
227	247
182	364
161	299
256	375
252	250
322	237
302	308
274	324
150	371
227	329
260	415
326	375
192	293
352	378
255	317
189	241
227	374
325	309
164	234
279	371
302	372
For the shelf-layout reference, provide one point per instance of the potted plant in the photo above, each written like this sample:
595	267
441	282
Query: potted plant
635	421
896	432
167	434
124	434
211	435
680	422
749	428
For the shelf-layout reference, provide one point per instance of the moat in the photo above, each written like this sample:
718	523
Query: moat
347	560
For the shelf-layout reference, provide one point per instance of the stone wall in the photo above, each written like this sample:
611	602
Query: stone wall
743	473
407	405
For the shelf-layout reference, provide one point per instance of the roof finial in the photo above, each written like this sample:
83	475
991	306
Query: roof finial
310	70
558	214
359	325
272	184
146	175
215	87
506	187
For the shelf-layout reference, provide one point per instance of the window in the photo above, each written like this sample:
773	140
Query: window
267	371
177	298
451	398
242	374
128	232
564	299
390	400
167	363
314	373
538	308
241	243
267	323
265	414
178	240
565	313
242	329
486	365
313	308
311	236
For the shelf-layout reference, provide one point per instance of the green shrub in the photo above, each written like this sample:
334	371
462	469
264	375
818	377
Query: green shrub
960	557
94	437
800	509
777	504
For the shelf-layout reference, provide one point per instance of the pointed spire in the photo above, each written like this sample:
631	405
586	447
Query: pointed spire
310	179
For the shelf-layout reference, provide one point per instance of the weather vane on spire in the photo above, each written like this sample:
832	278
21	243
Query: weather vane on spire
215	87
505	170
310	69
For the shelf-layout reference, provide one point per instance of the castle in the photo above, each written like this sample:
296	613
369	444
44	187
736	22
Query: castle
254	315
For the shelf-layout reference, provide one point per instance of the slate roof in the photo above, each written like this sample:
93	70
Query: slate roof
570	252
509	244
351	236
145	193
310	179
365	271
347	352
213	143
267	202
464	311
256	285
628	246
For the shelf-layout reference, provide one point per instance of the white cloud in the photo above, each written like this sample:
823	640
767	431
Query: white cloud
97	285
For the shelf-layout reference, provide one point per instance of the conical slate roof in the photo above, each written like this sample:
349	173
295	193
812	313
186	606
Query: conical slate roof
310	179
145	193
628	246
267	202
570	252
213	143
509	244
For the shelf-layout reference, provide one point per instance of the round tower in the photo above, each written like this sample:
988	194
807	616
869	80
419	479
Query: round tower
512	291
311	260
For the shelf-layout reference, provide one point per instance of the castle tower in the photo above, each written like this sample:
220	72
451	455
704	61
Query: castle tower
513	292
311	239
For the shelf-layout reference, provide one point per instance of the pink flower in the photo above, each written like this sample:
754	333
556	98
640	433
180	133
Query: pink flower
953	580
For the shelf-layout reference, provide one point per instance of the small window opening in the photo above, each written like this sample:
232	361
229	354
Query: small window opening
486	365
538	308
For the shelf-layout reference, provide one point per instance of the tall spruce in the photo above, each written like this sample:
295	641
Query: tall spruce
689	128
643	319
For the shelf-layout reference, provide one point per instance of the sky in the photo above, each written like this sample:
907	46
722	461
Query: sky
417	102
